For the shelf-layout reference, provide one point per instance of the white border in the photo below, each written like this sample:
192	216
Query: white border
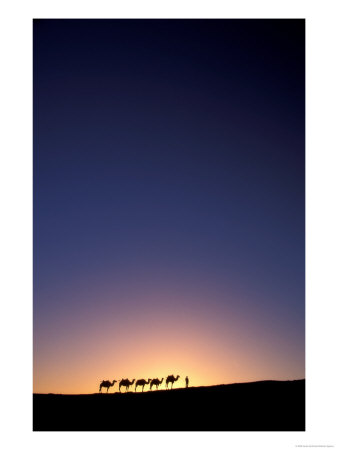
16	222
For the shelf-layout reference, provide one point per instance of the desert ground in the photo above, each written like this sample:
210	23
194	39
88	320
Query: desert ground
258	406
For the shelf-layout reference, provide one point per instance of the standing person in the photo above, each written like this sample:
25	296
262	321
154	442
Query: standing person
186	381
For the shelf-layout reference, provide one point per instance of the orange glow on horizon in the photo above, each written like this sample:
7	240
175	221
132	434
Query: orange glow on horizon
209	347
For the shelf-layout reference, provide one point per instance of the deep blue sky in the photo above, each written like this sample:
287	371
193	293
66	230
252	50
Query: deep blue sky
170	153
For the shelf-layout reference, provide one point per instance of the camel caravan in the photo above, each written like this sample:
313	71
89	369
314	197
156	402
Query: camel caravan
125	382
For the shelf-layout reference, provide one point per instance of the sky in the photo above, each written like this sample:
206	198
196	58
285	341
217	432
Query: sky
169	201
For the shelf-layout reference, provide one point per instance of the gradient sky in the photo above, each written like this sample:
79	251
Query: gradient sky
169	184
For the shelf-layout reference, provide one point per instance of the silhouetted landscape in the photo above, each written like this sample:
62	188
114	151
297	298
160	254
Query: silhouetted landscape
257	406
168	224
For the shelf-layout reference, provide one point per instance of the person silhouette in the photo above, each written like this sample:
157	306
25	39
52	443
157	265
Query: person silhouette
186	381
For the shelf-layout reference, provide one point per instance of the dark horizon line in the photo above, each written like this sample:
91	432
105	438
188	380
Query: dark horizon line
178	388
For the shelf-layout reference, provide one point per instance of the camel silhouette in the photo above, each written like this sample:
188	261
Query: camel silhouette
156	382
142	383
126	383
171	379
107	384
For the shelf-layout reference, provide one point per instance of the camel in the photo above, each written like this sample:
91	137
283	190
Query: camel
156	382
142	383
126	383
171	379
107	384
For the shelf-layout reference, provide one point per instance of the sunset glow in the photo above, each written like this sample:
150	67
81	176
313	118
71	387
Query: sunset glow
209	343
